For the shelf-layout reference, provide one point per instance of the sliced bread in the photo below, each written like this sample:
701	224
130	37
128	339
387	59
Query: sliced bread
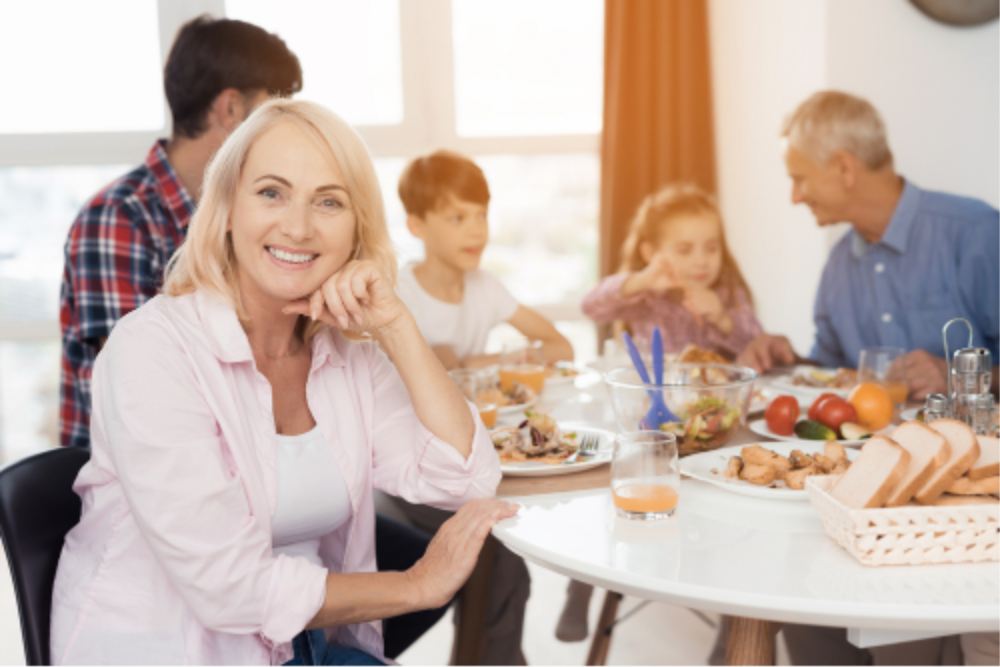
988	464
928	451
964	453
947	499
873	476
963	486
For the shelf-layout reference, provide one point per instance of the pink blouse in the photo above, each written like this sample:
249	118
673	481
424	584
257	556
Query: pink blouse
171	562
678	326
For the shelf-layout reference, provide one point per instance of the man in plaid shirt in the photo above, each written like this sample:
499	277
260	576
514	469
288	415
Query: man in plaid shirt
217	72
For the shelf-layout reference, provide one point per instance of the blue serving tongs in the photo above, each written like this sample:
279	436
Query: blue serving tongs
658	413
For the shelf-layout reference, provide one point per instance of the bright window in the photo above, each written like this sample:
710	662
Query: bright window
71	66
349	52
525	68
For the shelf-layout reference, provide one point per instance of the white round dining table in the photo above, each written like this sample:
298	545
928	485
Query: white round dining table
740	556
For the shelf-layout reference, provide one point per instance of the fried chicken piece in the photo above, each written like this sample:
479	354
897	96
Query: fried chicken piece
757	455
834	451
734	467
796	479
800	459
840	467
757	474
824	463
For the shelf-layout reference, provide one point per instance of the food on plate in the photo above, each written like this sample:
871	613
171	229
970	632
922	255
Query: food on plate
853	431
835	411
963	454
759	465
948	500
781	415
988	464
928	451
872	477
704	423
873	405
963	486
692	354
561	371
844	378
810	430
516	394
537	438
813	412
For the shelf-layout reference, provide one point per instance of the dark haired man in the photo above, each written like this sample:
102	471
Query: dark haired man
217	72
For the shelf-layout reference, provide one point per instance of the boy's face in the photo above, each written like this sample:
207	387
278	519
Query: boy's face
454	233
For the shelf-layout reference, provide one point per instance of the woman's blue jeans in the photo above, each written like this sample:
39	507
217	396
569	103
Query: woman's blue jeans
311	648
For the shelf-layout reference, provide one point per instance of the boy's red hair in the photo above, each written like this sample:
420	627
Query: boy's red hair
428	181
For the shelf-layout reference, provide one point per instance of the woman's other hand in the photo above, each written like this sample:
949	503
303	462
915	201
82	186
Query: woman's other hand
454	551
356	298
658	276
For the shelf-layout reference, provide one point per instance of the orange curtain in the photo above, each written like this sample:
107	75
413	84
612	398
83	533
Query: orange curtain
657	109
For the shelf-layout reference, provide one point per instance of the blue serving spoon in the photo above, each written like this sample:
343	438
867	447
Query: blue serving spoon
658	413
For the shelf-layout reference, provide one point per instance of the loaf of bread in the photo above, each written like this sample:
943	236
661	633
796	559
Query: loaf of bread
872	477
928	452
964	453
948	499
988	464
963	486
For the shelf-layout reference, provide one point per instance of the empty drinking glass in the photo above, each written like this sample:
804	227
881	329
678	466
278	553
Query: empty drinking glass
645	477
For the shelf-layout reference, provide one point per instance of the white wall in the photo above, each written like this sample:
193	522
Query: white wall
938	88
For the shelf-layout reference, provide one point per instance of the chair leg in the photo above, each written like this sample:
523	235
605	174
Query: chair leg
467	649
750	641
601	642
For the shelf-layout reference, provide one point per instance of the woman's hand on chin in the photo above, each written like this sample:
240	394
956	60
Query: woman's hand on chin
357	298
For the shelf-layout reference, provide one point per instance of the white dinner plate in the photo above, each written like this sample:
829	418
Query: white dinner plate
512	410
710	467
564	380
760	428
785	383
538	469
909	415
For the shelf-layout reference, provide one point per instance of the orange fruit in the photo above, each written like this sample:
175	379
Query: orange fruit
873	404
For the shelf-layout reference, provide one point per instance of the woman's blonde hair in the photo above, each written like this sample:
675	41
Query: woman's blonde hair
206	260
831	121
651	221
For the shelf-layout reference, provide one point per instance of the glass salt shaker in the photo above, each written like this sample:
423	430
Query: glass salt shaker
936	407
981	409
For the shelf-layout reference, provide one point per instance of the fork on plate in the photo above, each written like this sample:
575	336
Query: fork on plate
589	444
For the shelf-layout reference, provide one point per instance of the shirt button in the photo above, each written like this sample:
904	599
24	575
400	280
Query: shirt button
880	267
887	317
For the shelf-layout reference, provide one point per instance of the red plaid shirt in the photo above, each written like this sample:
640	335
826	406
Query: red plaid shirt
116	253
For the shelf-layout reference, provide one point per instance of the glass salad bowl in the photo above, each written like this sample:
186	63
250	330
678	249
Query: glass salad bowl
710	402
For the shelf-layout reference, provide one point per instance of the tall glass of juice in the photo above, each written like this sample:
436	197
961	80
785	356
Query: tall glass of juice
522	361
479	385
887	367
645	475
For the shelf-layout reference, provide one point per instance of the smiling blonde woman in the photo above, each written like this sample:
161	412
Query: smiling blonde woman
238	433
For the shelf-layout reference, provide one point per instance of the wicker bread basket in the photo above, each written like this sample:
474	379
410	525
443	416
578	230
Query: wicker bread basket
908	535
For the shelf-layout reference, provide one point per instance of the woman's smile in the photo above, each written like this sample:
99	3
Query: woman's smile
288	258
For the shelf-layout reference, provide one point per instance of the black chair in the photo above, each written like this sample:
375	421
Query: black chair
37	509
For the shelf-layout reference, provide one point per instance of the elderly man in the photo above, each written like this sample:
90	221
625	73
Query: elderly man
913	260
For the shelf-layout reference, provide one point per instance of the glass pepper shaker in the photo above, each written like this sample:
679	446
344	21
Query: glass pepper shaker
936	407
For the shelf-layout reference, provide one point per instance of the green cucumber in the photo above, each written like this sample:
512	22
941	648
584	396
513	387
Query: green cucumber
810	430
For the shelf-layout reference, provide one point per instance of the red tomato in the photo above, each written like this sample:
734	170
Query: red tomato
814	408
835	411
781	415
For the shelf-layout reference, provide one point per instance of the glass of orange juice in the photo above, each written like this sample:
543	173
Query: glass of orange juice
645	476
479	385
523	361
887	367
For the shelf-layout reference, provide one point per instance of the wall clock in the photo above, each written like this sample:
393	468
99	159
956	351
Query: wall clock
960	12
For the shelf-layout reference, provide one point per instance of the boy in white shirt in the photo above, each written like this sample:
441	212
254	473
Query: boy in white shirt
456	303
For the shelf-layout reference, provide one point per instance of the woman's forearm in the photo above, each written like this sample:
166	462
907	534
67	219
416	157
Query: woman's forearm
439	404
366	596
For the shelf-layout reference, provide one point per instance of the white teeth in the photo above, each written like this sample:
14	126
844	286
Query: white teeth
294	258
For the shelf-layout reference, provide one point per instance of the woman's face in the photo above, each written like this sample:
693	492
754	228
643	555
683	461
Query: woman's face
292	224
694	246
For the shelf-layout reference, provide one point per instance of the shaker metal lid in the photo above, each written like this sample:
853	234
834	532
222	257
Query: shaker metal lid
972	360
936	403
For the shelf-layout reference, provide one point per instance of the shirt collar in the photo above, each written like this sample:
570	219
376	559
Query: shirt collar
898	232
229	343
176	199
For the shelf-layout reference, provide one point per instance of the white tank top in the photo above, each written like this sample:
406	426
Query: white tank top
312	496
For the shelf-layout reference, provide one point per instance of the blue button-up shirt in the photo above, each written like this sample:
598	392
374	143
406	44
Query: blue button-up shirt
938	259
